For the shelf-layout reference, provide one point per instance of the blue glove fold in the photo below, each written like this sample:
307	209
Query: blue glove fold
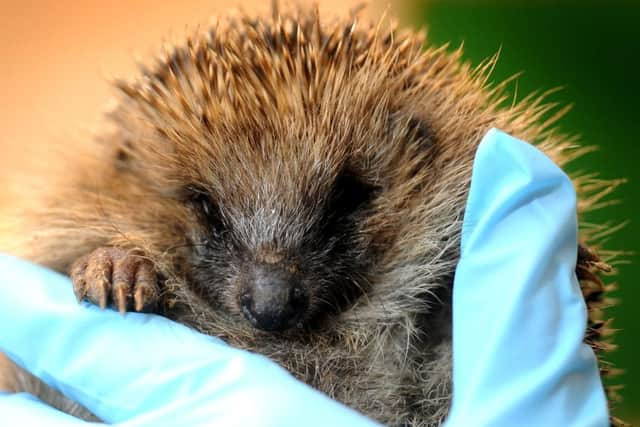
519	318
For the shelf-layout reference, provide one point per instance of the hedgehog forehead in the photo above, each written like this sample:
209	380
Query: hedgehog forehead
272	174
273	204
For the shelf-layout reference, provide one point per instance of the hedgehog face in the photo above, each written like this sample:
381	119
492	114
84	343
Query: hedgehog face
282	260
285	217
299	155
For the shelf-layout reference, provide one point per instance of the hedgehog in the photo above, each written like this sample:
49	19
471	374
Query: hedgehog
295	185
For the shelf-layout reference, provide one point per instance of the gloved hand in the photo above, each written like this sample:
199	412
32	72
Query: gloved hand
518	313
140	370
519	319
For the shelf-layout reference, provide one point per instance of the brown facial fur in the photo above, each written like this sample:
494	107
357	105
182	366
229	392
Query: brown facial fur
337	151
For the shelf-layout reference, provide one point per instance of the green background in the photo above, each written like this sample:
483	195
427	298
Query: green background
591	50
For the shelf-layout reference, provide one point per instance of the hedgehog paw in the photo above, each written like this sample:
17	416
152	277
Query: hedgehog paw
114	276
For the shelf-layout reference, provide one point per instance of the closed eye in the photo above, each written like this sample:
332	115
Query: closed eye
207	210
350	194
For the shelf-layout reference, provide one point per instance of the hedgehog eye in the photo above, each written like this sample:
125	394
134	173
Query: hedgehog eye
349	194
205	205
207	210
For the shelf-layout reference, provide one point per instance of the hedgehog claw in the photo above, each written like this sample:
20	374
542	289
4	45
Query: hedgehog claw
114	276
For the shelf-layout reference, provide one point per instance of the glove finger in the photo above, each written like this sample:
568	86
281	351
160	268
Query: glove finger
519	316
23	409
116	366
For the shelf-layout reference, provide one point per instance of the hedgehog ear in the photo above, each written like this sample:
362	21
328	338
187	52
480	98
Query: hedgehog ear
414	129
420	133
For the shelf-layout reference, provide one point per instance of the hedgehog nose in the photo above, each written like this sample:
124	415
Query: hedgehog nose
273	300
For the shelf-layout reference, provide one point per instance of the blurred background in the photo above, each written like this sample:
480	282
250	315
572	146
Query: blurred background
58	55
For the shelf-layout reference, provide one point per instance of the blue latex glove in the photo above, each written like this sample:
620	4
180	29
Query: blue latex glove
141	370
518	313
519	319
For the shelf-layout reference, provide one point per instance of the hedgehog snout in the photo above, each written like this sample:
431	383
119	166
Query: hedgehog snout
272	298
